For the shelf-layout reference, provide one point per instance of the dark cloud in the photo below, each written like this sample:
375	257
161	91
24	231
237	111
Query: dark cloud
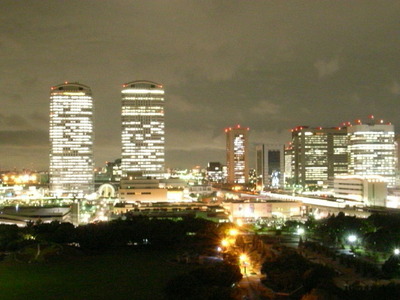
39	118
269	65
24	138
13	121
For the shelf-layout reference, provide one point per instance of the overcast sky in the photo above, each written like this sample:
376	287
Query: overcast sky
267	65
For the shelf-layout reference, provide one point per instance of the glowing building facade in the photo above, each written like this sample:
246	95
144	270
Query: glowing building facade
372	151
71	139
237	160
319	154
143	144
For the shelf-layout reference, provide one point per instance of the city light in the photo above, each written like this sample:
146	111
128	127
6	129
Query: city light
225	243
243	257
300	231
233	232
71	139
352	238
143	143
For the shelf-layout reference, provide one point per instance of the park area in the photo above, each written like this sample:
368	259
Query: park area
121	274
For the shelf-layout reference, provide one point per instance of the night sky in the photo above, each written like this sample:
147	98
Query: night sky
267	65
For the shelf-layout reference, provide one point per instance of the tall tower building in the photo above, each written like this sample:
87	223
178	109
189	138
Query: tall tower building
143	144
372	150
237	156
318	154
71	139
270	165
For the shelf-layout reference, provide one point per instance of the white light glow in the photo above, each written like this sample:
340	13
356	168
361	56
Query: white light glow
142	91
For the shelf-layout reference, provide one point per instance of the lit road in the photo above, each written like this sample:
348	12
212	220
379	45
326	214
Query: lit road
253	289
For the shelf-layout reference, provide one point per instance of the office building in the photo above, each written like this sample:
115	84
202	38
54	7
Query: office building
71	139
135	188
318	155
366	190
237	154
215	172
143	144
270	165
113	170
372	150
288	177
250	211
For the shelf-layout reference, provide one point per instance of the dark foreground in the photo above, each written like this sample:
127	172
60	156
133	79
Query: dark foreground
121	274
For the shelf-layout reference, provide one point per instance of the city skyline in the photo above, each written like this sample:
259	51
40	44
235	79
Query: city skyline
266	65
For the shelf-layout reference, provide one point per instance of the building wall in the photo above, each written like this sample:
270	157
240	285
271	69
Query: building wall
319	154
253	210
143	136
215	172
366	190
143	195
372	151
71	139
237	154
270	165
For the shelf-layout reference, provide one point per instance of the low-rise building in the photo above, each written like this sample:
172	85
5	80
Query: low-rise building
250	210
141	189
173	210
365	190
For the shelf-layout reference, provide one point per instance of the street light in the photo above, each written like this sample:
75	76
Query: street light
233	232
352	238
243	261
300	231
396	251
224	243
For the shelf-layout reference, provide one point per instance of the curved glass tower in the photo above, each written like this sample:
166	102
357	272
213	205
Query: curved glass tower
143	144
71	139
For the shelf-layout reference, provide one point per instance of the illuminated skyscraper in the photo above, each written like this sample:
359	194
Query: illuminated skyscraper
318	155
71	139
372	150
143	144
237	160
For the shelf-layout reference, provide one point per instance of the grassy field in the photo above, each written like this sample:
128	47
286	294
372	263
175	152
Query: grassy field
124	274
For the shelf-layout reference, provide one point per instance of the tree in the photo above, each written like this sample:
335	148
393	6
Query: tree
183	287
391	267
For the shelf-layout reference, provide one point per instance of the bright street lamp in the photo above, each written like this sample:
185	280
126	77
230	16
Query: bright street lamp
396	251
243	258
352	238
300	231
233	232
225	243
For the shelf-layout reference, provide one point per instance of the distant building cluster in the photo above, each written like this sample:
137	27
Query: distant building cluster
71	136
354	164
316	156
315	159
